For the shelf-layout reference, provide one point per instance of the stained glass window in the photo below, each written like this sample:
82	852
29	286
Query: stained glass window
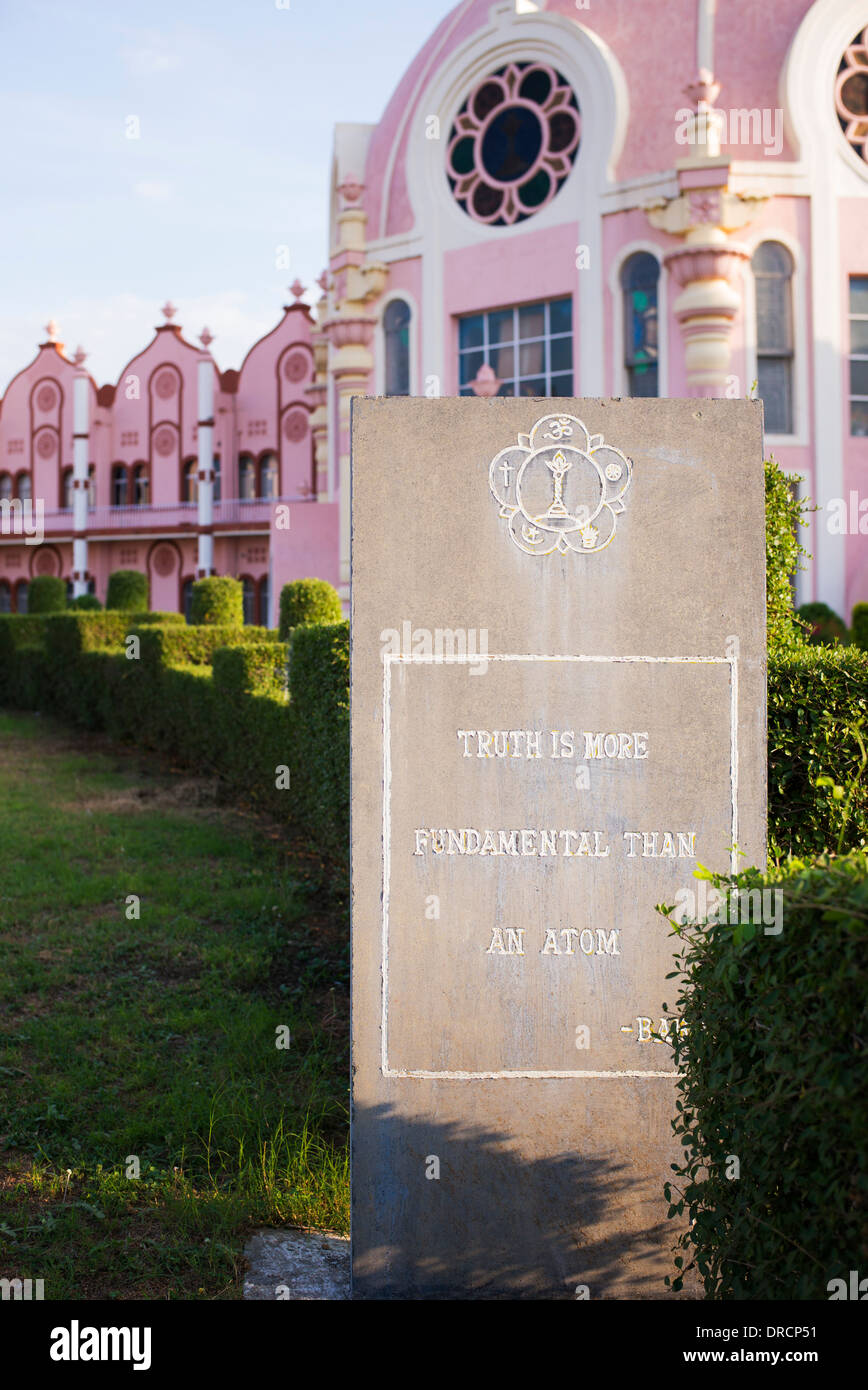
640	277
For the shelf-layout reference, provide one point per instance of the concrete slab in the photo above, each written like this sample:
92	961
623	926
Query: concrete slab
297	1264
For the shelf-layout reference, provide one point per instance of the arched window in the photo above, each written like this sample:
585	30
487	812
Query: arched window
21	591
5	486
772	267
249	600
268	475
191	481
67	487
216	493
263	601
246	477
140	485
640	277
22	487
119	485
5	597
396	333
187	599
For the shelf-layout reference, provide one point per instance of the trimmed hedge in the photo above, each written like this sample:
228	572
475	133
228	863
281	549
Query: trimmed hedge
772	1059
816	696
319	676
860	626
824	627
257	668
86	603
234	722
306	601
784	516
47	594
217	601
127	590
193	646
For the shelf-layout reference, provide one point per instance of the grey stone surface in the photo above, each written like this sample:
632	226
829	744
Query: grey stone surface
499	1151
294	1264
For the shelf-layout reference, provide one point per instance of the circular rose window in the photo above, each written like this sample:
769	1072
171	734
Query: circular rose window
46	398
851	94
295	426
513	143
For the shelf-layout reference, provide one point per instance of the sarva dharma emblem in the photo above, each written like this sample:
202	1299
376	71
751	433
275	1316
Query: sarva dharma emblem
560	488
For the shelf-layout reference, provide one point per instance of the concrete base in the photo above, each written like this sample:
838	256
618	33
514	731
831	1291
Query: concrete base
296	1264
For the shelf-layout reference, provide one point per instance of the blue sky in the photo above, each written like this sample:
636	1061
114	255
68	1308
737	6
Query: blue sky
236	101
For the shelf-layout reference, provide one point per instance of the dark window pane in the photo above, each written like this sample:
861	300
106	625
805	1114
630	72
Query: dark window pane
642	380
859	418
248	600
536	386
775	391
562	385
396	325
507	389
640	272
561	314
470	331
532	321
500	326
503	361
187	598
773	321
511	143
470	363
859	335
859	294
859	378
263	602
771	258
561	354
531	359
5	599
21	589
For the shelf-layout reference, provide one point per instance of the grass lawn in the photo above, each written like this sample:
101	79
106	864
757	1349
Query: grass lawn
150	1044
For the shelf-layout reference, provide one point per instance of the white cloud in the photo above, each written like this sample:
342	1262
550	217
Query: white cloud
149	53
152	189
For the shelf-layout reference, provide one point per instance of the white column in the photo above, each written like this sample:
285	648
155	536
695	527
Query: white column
205	438
80	479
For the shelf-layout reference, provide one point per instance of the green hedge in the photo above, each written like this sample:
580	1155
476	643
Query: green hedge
218	601
86	603
257	668
194	646
860	626
824	627
772	1062
307	601
128	591
234	722
319	668
47	594
816	696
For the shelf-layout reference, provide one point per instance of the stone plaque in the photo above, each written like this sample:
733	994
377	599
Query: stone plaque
558	712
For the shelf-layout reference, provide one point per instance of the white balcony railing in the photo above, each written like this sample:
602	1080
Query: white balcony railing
129	517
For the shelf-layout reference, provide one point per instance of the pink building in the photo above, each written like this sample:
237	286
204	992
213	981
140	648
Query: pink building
561	198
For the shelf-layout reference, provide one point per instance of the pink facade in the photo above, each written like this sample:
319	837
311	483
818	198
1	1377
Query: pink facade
560	198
